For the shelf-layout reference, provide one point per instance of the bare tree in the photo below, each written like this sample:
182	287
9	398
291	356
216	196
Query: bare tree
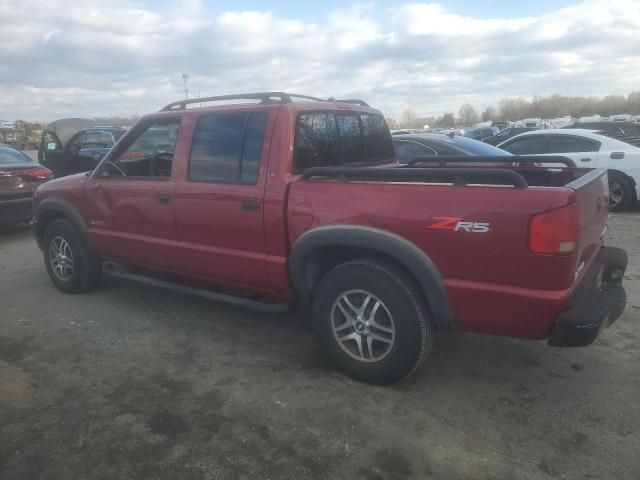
447	121
489	114
409	117
468	114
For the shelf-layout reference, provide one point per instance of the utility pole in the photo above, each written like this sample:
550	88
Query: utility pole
185	78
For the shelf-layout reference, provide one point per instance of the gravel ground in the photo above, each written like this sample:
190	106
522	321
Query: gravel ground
129	382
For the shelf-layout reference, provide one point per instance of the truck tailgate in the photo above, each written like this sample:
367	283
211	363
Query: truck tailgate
591	199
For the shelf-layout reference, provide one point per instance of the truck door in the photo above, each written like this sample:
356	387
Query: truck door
128	199
219	198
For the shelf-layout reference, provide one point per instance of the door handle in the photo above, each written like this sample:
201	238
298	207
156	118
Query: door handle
587	159
250	205
164	198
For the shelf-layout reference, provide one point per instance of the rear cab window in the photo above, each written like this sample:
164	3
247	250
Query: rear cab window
332	139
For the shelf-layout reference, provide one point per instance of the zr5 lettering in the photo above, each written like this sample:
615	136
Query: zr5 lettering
456	224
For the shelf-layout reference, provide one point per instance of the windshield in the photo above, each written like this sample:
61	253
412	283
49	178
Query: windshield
8	155
474	147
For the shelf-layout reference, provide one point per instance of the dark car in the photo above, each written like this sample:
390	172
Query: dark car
411	146
74	145
19	178
627	128
506	134
482	133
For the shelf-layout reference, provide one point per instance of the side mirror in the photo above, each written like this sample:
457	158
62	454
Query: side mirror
51	146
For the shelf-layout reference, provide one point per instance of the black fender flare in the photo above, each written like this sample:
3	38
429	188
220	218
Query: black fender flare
304	275
60	207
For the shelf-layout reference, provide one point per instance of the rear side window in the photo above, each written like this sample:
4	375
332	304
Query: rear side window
527	145
227	147
568	144
407	150
98	140
325	139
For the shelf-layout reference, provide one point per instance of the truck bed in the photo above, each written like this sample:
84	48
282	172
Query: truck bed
487	267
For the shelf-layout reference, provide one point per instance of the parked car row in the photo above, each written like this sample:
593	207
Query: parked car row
592	149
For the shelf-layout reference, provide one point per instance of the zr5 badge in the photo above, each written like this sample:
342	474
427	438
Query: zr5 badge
456	224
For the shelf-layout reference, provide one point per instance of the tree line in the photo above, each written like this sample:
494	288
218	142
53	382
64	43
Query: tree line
518	108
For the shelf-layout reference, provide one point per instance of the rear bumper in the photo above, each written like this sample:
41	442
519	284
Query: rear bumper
596	303
16	210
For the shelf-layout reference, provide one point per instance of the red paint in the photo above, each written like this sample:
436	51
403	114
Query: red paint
495	283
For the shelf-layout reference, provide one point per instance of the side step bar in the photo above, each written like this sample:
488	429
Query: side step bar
243	302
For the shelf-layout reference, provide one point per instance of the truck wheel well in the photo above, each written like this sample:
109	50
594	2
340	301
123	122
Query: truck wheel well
324	259
318	250
45	220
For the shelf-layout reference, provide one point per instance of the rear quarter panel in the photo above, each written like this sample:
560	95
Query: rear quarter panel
494	283
498	256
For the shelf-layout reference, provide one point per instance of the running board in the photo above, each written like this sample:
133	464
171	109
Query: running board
255	305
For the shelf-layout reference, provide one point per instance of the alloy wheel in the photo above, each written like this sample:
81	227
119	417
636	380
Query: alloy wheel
61	258
616	193
363	326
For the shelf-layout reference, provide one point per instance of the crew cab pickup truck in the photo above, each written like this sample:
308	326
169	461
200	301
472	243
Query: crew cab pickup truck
275	199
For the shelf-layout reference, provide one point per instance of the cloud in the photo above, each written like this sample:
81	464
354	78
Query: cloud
94	58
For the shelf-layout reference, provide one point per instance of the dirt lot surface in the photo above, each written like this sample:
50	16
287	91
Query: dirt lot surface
129	382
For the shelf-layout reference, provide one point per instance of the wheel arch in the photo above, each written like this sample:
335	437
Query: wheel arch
318	250
627	177
56	208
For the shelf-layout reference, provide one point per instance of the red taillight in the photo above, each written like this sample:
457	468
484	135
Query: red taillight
555	232
40	173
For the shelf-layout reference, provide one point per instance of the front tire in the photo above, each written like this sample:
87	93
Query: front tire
620	192
71	266
372	321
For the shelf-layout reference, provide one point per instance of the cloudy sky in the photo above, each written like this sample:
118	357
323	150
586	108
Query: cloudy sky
125	57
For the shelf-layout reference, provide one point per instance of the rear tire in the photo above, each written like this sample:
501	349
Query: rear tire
71	266
620	192
372	321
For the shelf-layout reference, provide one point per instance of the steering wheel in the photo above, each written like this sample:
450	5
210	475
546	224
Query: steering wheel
116	167
157	170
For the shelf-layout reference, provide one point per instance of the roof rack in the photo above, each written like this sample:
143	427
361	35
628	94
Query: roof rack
264	97
354	101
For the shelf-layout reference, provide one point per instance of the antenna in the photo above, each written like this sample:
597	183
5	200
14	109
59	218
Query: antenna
185	78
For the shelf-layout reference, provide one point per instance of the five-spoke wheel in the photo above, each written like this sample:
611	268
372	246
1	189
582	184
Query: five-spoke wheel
61	258
362	325
372	319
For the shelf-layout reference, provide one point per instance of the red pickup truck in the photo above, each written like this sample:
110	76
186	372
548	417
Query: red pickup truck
281	198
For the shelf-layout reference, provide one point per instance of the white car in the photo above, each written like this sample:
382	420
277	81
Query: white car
589	149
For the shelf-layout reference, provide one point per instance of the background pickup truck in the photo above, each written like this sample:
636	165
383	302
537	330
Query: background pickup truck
296	199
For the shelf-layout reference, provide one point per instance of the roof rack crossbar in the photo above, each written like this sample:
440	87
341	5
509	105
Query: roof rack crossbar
355	101
264	97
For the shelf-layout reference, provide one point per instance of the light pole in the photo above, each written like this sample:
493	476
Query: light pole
185	77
